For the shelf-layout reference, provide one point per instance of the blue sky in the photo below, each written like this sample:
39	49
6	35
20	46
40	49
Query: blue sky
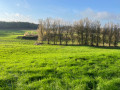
70	10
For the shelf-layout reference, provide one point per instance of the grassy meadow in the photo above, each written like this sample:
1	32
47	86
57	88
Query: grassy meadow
25	66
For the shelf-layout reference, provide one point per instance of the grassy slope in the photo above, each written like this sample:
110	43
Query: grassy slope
24	66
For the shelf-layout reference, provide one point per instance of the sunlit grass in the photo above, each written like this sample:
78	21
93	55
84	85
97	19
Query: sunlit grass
25	66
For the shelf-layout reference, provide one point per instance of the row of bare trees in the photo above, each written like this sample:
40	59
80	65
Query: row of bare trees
82	32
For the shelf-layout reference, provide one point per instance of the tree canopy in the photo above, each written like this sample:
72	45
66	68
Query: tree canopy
17	25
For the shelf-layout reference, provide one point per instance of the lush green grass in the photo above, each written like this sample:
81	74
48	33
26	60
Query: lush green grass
25	66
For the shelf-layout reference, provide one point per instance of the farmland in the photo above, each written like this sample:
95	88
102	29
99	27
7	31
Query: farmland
25	66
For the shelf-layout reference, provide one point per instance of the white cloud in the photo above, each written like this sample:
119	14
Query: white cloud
104	15
16	17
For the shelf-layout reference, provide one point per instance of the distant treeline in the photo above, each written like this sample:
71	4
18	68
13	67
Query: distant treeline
82	32
17	25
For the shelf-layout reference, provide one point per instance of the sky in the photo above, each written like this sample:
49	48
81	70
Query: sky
69	10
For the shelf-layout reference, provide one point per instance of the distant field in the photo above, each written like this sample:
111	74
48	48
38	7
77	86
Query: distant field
25	66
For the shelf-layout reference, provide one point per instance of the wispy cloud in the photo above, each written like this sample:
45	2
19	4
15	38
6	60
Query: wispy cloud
26	4
104	15
23	4
17	17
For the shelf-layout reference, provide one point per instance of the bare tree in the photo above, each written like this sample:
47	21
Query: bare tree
77	30
116	35
92	33
40	31
98	33
82	30
66	28
54	28
48	29
104	34
60	29
87	27
71	31
110	33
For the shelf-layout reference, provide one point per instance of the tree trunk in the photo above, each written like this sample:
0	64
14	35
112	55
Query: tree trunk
82	38
60	40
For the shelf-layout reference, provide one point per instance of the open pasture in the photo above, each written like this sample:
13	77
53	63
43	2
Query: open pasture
25	66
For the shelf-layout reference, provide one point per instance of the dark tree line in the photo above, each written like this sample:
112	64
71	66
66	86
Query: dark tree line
17	25
82	32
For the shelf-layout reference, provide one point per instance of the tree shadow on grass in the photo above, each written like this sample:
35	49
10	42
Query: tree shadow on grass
106	47
99	47
4	35
8	84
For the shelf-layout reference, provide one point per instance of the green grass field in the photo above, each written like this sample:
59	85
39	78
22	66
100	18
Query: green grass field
25	66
